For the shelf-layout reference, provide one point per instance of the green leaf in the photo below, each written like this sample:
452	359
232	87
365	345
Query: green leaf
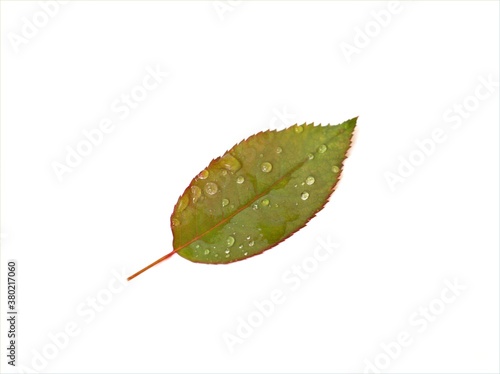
258	193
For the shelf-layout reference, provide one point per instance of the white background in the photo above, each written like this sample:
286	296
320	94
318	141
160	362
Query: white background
230	72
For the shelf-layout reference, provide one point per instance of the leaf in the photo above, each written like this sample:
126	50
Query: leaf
258	193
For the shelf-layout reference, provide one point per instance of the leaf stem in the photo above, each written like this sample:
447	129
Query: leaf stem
151	265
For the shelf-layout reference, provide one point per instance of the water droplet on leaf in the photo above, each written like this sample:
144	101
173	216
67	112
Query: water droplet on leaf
183	203
211	188
266	167
304	195
229	162
195	193
310	180
225	202
240	179
203	174
335	169
229	241
175	222
279	150
322	148
264	202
